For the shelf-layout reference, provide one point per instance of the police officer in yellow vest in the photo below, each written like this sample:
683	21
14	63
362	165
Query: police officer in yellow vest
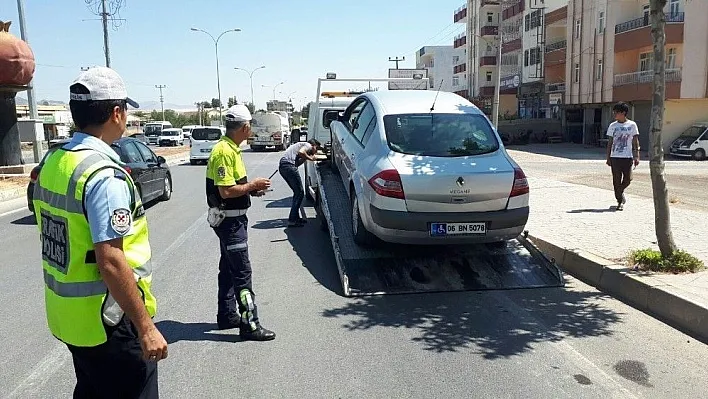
228	197
95	250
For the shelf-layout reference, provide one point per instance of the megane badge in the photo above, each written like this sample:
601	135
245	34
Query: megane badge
460	181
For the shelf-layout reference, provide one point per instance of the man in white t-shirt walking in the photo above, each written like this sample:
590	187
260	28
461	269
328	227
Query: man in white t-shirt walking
622	151
295	156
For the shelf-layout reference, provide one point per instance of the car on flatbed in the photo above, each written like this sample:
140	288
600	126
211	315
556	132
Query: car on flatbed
422	167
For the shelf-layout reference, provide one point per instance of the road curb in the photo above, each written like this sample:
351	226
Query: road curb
660	300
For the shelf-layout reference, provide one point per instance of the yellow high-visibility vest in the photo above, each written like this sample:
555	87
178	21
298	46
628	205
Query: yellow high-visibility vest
75	294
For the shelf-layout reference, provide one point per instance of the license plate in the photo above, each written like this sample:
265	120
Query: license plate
205	150
450	229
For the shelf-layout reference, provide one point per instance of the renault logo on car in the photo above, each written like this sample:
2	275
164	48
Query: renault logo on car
460	181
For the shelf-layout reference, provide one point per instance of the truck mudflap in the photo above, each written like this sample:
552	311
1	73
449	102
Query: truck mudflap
404	269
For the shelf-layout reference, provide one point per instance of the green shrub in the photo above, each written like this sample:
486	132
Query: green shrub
678	262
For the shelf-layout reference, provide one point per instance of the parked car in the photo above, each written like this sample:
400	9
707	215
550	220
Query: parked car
203	139
150	172
187	130
421	169
692	143
171	137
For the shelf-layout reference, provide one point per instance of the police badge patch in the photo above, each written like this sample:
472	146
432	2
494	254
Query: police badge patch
121	220
221	171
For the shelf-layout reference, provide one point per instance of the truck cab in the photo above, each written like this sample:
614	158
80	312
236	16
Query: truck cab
692	143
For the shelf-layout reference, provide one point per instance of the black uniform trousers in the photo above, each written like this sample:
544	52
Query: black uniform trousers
235	283
116	368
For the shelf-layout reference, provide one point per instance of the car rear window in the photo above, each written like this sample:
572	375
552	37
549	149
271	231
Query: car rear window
440	135
206	134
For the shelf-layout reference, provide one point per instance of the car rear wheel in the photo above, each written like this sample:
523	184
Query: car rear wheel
192	161
361	235
699	155
167	189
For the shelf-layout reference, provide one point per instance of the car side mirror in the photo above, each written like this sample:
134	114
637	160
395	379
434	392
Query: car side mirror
161	160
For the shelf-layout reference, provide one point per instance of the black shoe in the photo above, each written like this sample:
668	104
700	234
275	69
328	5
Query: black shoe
620	206
303	221
227	324
259	334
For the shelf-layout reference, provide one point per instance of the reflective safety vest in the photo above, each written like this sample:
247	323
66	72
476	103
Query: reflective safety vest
75	295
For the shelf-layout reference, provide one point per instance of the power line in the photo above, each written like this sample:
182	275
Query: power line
108	10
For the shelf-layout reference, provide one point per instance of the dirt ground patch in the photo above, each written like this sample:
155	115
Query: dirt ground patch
9	183
167	151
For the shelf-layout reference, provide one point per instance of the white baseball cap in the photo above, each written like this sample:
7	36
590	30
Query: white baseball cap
103	84
238	113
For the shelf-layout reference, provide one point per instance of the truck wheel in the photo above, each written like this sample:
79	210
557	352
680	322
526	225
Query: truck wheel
361	235
699	155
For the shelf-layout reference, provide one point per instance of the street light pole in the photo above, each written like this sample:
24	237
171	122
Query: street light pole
218	77
495	105
36	143
250	75
275	87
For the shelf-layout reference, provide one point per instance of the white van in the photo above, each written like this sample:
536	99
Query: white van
187	130
152	130
171	137
202	141
692	143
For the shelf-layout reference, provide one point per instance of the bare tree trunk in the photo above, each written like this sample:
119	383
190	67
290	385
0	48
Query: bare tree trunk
662	217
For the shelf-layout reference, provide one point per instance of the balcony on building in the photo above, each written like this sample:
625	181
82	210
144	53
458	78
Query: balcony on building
460	68
459	41
489	30
511	45
460	14
512	9
636	32
555	52
486	3
487	61
638	85
555	87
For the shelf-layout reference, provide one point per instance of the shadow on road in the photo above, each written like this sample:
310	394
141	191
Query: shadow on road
270	224
314	249
494	324
281	203
603	210
25	220
175	331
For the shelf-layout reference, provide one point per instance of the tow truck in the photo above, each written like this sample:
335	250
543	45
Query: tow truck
405	269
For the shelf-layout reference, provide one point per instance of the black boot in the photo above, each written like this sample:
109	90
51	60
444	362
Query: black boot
227	322
259	334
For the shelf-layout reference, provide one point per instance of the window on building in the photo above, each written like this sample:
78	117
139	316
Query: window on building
489	48
599	72
671	58
601	22
646	62
576	73
526	58
527	22
455	59
490	17
674	7
489	76
455	80
577	29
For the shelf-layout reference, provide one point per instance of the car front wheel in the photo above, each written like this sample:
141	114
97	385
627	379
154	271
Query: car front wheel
699	155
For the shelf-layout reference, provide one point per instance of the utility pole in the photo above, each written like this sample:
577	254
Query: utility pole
36	144
199	112
495	105
104	17
162	99
396	60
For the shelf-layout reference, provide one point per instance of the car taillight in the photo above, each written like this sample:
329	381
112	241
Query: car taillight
521	185
34	174
388	184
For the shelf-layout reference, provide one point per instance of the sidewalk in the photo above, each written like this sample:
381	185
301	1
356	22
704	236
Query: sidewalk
575	225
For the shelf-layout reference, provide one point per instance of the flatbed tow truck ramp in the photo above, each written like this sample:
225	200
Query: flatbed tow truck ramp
404	269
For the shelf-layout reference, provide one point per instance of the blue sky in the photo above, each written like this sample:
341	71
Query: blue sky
297	41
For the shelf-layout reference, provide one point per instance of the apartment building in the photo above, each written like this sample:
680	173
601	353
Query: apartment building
475	68
438	61
554	59
279	106
609	58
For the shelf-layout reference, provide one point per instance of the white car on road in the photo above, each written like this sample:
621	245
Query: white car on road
171	138
421	170
203	139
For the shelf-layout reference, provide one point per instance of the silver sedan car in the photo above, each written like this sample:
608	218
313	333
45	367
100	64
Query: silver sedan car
427	170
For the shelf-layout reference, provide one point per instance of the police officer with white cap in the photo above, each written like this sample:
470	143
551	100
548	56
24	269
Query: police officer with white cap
228	196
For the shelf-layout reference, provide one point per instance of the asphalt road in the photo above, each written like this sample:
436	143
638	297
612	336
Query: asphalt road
574	342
